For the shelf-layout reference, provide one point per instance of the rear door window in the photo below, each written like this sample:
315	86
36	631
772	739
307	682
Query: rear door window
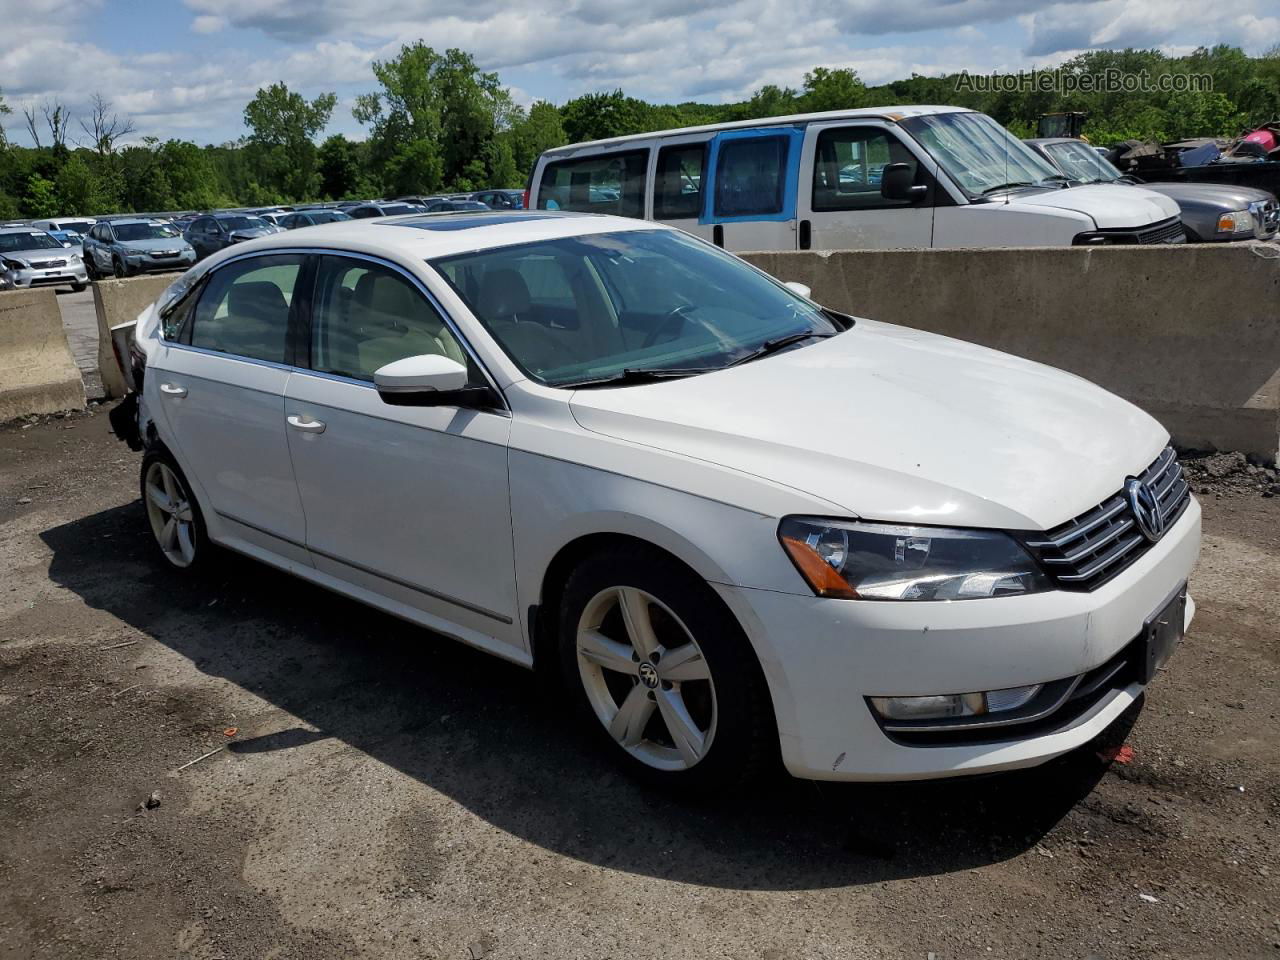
604	183
677	186
244	309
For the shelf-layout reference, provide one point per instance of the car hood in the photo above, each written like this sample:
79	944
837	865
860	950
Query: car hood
1210	195
58	253
1110	205
890	423
147	246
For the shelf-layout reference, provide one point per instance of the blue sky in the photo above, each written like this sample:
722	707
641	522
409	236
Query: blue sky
186	69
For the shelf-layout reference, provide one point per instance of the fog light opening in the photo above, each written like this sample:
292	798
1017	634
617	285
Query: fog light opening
954	705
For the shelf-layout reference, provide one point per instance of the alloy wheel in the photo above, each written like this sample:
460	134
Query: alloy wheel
170	512
646	678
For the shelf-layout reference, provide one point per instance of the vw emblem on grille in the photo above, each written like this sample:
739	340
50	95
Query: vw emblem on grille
648	675
1146	509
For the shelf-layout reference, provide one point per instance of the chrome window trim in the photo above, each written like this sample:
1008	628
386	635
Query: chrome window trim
372	258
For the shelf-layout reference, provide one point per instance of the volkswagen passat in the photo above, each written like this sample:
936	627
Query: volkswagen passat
735	524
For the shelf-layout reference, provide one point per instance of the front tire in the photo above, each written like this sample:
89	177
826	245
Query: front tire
79	287
177	525
118	268
660	671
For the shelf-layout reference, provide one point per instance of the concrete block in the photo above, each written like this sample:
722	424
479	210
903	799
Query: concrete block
117	302
37	371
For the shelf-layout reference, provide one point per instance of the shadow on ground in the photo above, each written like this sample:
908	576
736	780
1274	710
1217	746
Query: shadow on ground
483	733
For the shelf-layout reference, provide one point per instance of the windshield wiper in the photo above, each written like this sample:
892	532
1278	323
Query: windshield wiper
635	375
1007	186
780	343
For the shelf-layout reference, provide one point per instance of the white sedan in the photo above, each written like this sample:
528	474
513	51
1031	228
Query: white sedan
737	527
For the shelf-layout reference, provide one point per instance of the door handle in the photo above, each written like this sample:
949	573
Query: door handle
173	390
305	424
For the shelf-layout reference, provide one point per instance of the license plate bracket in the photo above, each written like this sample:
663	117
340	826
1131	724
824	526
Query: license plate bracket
1162	633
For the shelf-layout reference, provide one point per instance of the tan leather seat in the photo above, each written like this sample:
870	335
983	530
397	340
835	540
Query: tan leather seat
391	322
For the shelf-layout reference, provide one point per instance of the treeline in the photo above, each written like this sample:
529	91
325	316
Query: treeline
439	123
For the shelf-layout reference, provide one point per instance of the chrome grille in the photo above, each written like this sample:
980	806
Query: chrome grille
47	264
1168	231
1086	552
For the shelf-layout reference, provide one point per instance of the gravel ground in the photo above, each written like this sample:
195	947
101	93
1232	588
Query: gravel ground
381	792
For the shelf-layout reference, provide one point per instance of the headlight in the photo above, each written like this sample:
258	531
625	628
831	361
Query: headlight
1239	222
13	263
877	561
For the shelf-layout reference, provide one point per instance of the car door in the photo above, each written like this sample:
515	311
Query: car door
410	503
198	236
220	379
841	204
679	178
752	201
102	249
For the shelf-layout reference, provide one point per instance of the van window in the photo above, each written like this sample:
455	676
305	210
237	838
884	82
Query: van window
603	183
848	165
750	176
677	189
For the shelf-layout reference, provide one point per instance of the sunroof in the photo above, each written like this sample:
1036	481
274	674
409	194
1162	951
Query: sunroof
466	221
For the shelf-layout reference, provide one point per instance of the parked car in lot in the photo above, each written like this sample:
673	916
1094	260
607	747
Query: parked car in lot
309	218
454	206
1211	212
216	231
69	239
500	199
662	483
33	258
126	247
367	211
914	176
78	225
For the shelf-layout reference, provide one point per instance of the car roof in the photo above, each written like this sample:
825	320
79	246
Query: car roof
424	236
116	223
888	113
20	229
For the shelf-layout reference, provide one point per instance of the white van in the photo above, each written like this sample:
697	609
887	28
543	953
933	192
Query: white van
923	176
80	225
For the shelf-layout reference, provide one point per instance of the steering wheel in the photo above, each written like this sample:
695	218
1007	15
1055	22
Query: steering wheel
673	318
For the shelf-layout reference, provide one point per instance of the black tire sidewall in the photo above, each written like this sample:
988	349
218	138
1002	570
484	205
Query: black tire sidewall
745	742
204	549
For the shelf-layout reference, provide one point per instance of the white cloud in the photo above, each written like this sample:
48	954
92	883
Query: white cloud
207	23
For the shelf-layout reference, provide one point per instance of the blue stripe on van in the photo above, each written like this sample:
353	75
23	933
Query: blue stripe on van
790	188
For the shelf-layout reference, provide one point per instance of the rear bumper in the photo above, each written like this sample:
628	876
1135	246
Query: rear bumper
823	658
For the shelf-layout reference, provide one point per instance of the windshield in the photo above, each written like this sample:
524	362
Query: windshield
977	152
578	309
327	216
13	242
79	226
144	231
1081	162
243	223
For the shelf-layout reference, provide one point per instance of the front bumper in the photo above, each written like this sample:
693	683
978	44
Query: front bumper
145	263
52	277
823	658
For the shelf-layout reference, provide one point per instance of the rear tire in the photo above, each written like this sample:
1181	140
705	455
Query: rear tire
661	673
173	515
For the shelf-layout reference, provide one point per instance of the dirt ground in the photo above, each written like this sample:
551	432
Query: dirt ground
384	793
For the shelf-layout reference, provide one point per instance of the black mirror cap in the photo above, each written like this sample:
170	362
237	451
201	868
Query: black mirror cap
471	397
897	182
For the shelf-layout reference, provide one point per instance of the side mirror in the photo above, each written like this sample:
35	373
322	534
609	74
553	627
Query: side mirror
66	244
427	380
897	182
800	288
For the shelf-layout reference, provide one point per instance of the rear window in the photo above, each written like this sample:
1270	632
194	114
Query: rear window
604	183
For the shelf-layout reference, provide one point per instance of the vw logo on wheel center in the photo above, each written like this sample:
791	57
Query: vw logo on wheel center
1146	509
649	675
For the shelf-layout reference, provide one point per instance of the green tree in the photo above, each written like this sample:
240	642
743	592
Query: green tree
538	130
838	89
283	127
1197	114
338	166
41	199
80	191
598	116
768	101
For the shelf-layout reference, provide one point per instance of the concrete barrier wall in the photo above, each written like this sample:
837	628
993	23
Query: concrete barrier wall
1191	334
117	302
37	372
